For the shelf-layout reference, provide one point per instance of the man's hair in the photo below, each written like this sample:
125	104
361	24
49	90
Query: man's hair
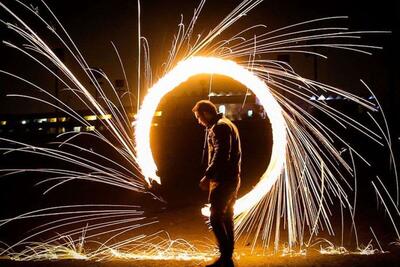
205	106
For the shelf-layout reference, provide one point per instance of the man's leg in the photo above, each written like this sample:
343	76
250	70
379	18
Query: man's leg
217	221
229	228
221	219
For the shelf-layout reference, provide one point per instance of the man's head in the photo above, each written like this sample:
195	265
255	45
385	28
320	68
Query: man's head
205	112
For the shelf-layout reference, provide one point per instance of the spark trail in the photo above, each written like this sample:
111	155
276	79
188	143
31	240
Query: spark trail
307	172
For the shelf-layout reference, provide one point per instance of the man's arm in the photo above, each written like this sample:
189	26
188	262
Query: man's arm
222	144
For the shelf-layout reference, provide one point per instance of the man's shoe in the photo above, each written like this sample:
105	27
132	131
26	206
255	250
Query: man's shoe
217	263
228	263
222	262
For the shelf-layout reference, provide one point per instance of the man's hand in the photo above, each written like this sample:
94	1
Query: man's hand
204	183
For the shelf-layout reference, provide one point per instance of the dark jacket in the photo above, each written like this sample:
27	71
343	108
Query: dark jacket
224	151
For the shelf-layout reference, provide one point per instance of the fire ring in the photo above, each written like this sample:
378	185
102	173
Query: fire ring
211	65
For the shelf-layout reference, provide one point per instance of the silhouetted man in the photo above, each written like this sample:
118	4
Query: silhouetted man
222	177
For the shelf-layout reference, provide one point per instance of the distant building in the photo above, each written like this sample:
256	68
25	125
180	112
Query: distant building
234	105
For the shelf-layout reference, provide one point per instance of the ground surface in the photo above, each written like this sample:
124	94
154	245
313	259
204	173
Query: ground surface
187	223
385	260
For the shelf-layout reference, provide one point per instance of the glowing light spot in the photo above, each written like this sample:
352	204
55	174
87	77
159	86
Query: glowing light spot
90	117
105	117
158	113
90	128
209	65
222	109
41	120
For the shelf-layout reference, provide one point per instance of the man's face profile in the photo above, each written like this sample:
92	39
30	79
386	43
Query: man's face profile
201	118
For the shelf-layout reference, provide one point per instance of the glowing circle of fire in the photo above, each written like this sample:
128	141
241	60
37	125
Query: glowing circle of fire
210	65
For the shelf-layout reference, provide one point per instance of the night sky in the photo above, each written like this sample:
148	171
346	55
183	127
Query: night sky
93	25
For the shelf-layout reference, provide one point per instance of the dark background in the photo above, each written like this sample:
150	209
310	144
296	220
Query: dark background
92	25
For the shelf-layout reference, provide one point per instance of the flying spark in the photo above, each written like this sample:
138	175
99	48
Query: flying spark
307	173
